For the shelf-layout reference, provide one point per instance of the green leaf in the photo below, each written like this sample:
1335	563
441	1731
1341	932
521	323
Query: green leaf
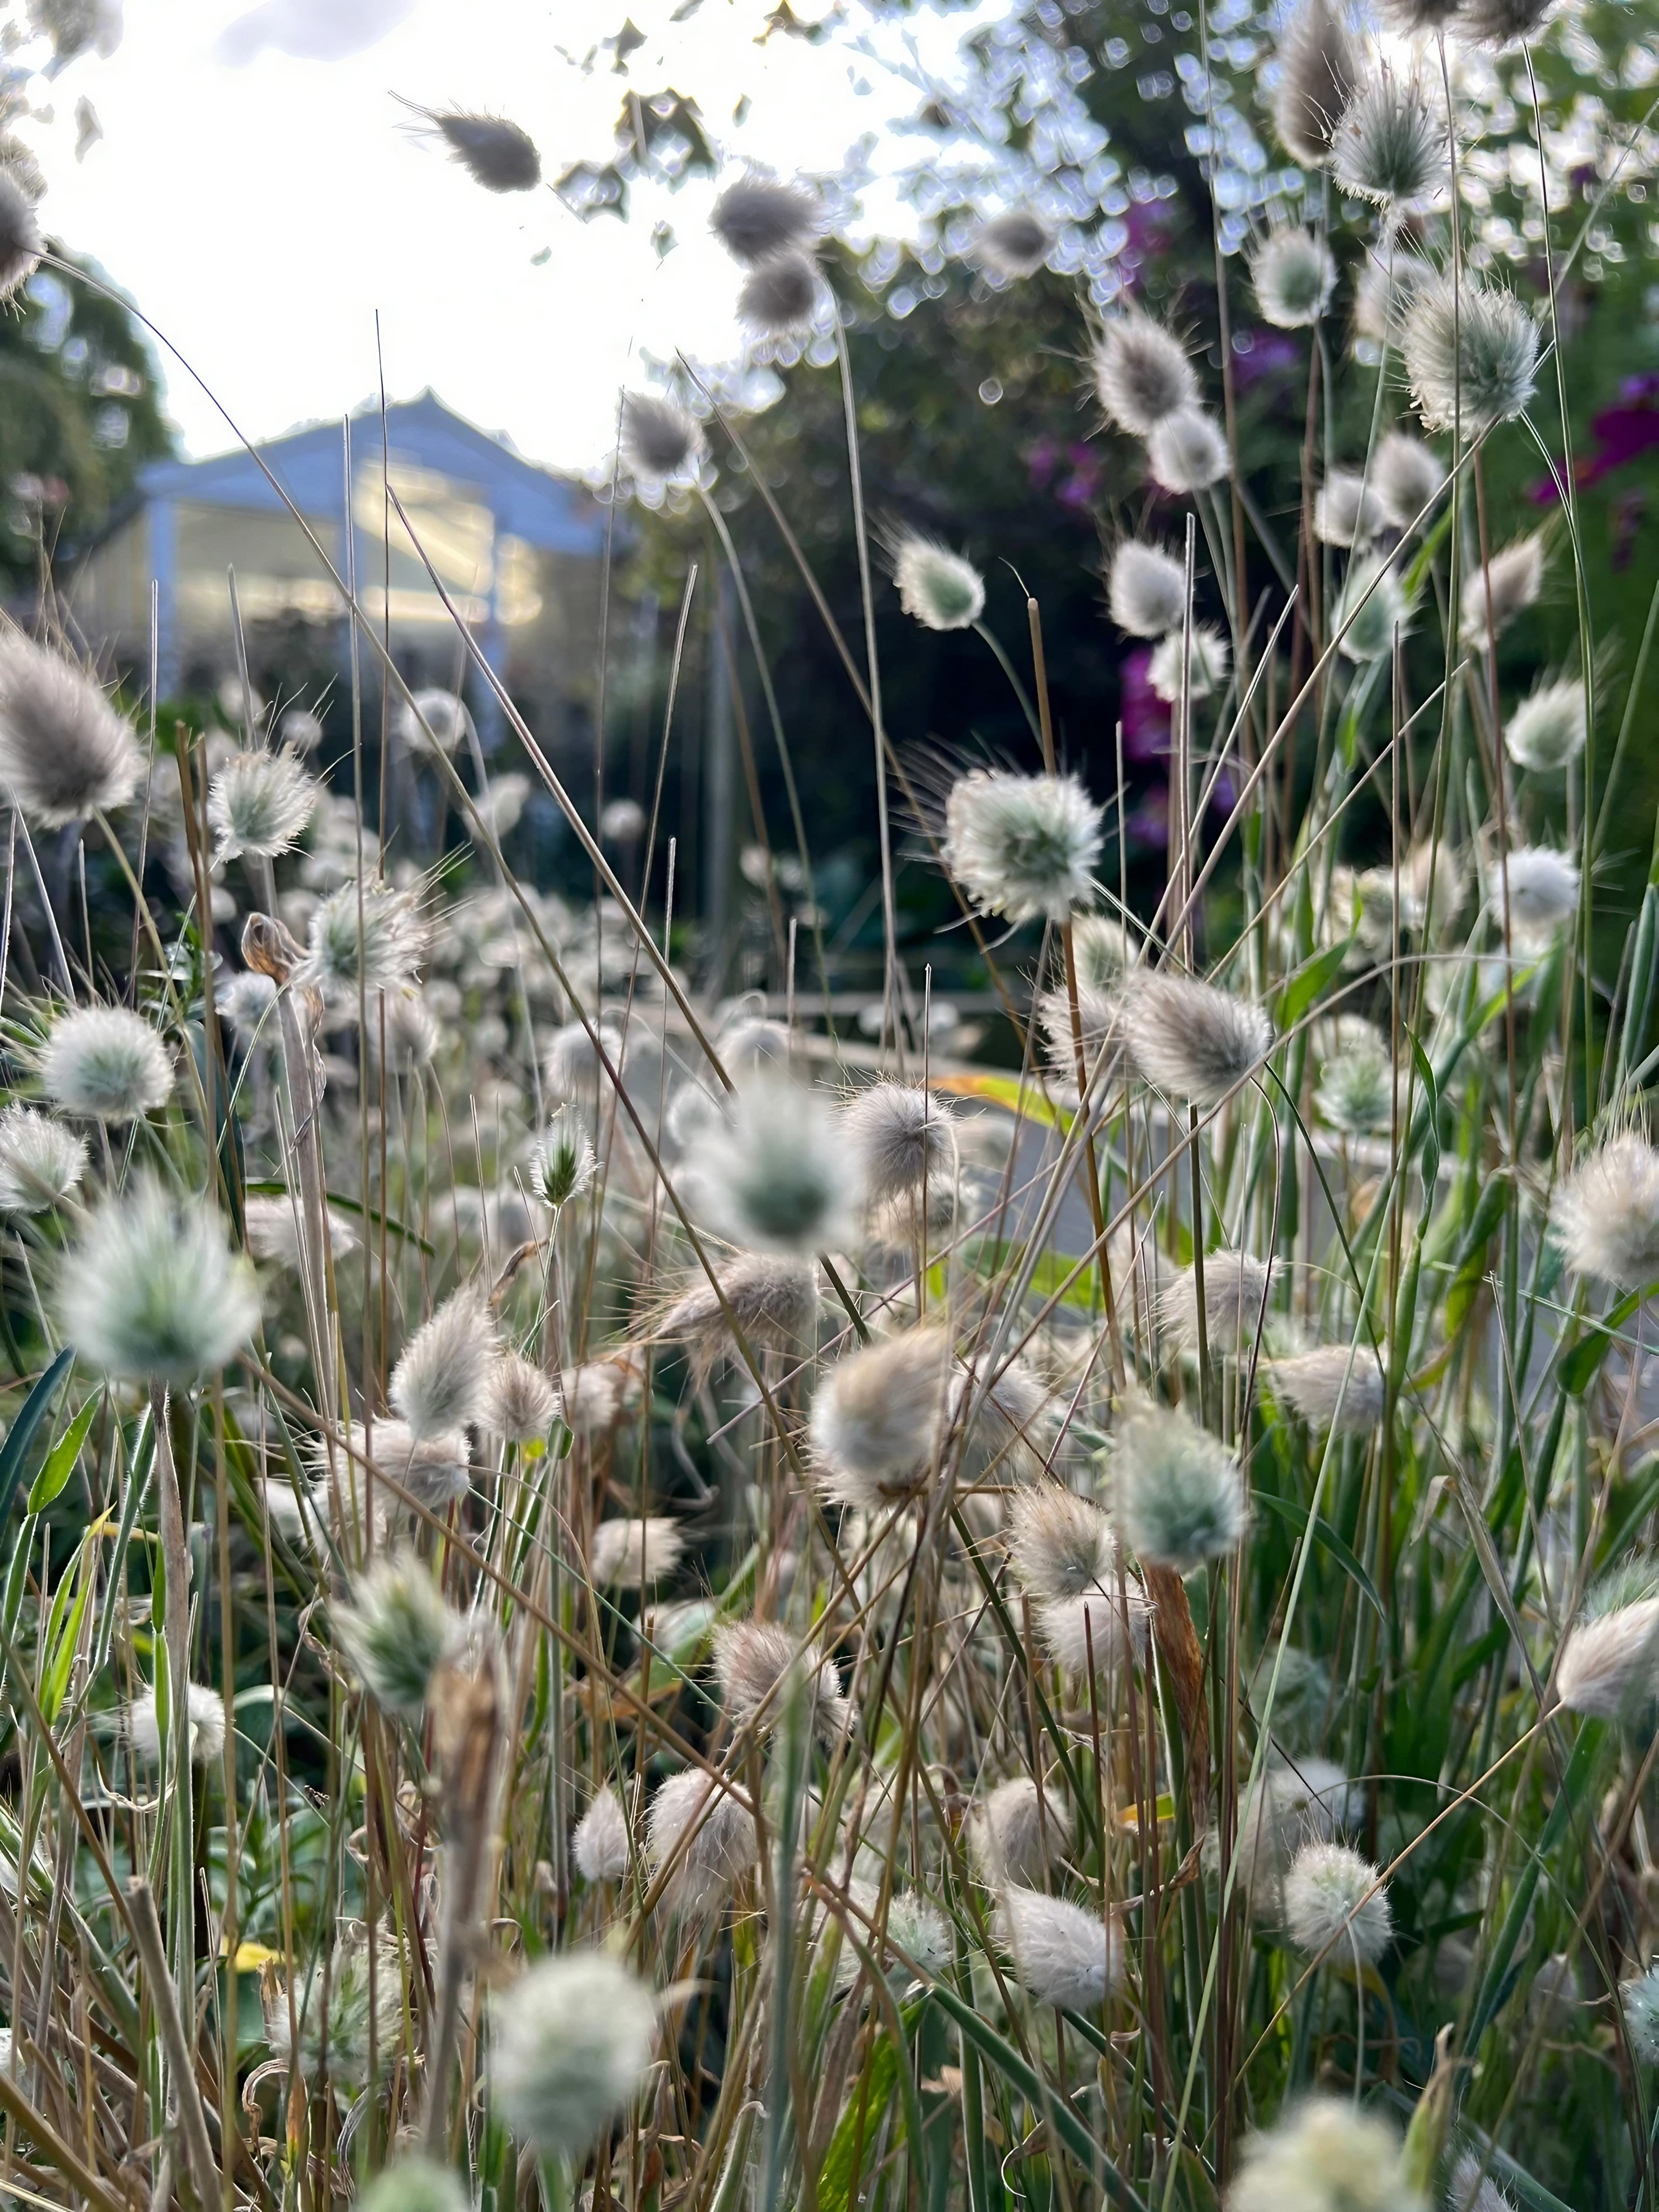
1023	1098
1577	1368
1327	1540
1307	986
60	1459
268	1189
14	1450
1431	1138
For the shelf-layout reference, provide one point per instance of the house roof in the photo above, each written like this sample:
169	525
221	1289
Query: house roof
548	512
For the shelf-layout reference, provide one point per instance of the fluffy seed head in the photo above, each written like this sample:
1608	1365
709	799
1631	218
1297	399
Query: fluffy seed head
903	1137
1607	1213
414	2184
396	1631
1298	1803
659	440
1325	2156
1018	1833
774	1302
1356	1090
573	1068
1371	609
1094	1634
205	1709
520	1403
153	1292
602	1392
63	749
21	242
1142	375
1321	1390
775	1173
1499	23
1609	1665
1203	657
1410	17
1062	1954
1511	582
434	720
436	1469
563	1162
384	943
759	1666
245	999
599	1845
273	1231
1237	1289
1177	1493
494	153
778	299
1014	243
1332	1903
877	1418
706	1834
1189	1039
574	2040
40	1162
1022	846
1471	356
1347	511
1294	275
441	1382
937	588
1390	146
1640	2001
1146	590
354	2026
259	803
1061	1545
409	1028
1472	2189
1543	888
1406	476
757	218
1319	66
1188	453
632	1554
106	1064
1546	732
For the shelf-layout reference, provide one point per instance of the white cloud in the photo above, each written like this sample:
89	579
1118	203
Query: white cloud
312	30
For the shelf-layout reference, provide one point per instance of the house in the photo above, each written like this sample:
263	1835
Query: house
518	550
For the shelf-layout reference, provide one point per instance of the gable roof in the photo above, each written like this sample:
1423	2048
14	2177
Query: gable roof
553	514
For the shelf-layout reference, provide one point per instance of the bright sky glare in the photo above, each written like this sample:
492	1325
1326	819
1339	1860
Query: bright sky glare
259	193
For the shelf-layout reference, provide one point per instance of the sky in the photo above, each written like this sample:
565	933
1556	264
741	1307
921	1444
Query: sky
261	194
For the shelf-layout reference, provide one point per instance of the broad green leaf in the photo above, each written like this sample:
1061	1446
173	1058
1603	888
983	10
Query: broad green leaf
1577	1368
1308	985
60	1459
1021	1098
15	1451
1327	1540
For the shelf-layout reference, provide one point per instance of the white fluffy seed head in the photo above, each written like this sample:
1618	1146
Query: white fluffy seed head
772	1300
939	589
396	1632
1640	2001
1542	887
1390	146
1018	1833
1333	1902
659	440
65	751
1323	2154
1347	511
153	1292
1356	1089
435	1470
433	721
1186	452
1471	2189
758	217
877	1420
363	2015
245	999
1202	656
1063	1954
1146	590
1014	243
205	1709
106	1064
1499	23
705	1835
1294	275
1471	356
1319	65
603	1392
1189	1039
760	1669
1237	1289
1322	1389
1546	732
1177	1492
1092	1636
21	242
260	803
773	1173
1371	609
574	2040
1607	1213
1060	1544
1407	477
1507	586
442	1380
1143	375
630	1554
495	152
564	1163
574	1067
1609	1664
40	1161
383	942
599	1845
1023	846
780	297
903	1137
273	1231
520	1403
